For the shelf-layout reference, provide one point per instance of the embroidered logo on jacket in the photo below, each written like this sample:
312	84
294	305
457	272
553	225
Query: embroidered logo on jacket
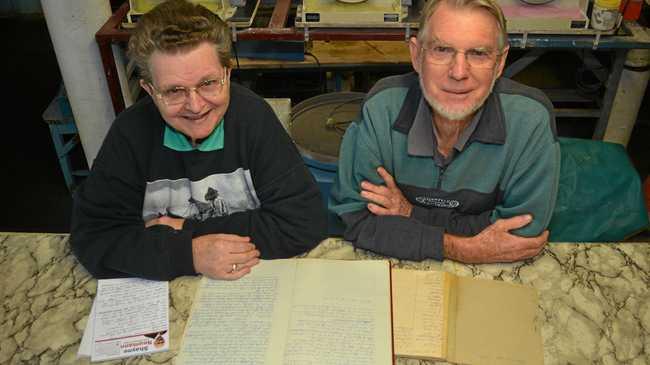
437	202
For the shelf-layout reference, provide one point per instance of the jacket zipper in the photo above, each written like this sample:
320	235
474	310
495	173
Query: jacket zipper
442	173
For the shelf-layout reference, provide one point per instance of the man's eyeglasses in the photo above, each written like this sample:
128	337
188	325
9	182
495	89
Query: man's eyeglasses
179	95
440	54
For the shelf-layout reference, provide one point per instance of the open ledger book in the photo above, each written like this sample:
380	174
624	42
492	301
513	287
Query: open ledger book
294	311
437	315
312	311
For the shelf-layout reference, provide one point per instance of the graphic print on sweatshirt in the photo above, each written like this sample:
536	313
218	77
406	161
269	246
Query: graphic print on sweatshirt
214	196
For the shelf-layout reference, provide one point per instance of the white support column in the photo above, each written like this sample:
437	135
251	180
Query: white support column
72	25
629	95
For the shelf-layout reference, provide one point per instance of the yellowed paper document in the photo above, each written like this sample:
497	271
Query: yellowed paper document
293	312
496	324
438	315
419	313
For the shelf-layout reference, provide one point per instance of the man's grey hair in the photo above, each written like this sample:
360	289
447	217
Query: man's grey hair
491	6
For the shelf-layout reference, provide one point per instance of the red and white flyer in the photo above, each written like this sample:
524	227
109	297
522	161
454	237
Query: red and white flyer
130	317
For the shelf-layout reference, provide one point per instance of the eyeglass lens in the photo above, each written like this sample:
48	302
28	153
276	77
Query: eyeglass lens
476	57
206	89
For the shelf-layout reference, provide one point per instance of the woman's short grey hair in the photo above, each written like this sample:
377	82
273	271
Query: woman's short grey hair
177	26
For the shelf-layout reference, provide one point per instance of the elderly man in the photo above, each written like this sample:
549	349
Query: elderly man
451	161
197	177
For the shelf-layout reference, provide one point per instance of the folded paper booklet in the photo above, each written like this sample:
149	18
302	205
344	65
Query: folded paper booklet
437	315
293	311
129	317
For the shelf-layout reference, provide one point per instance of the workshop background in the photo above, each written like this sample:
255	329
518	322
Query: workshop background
35	196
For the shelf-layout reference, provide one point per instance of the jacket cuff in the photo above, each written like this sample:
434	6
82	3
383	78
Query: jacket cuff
432	243
182	261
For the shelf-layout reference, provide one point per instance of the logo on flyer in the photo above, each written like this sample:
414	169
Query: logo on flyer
136	346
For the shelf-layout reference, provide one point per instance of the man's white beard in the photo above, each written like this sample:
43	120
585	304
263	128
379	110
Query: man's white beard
450	113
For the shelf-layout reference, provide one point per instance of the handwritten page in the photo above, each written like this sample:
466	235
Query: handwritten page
340	314
419	313
130	318
293	312
238	322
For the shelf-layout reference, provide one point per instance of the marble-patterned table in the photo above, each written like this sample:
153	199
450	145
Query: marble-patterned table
594	300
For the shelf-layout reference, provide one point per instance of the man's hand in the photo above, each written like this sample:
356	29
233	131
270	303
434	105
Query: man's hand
495	243
175	223
385	200
224	256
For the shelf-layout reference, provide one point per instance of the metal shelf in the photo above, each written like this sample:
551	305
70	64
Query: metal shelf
629	36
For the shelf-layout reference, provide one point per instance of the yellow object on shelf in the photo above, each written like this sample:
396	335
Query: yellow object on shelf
220	7
608	4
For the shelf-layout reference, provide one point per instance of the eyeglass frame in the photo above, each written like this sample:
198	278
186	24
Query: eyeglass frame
464	52
188	90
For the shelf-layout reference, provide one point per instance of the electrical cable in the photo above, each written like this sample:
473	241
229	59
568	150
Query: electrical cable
584	85
334	103
323	87
340	126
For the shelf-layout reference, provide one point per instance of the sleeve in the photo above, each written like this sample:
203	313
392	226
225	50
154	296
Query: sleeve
454	222
292	217
531	181
404	238
107	232
394	236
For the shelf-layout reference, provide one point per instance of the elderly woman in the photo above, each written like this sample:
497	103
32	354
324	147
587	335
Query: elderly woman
149	207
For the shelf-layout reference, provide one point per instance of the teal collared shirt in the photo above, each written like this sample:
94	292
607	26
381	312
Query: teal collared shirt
179	142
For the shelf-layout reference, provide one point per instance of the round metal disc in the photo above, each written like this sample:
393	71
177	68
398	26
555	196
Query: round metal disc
536	2
318	124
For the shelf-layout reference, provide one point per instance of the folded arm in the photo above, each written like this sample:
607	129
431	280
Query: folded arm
379	218
291	219
108	235
110	238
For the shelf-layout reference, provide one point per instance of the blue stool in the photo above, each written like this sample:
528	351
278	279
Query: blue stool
59	118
